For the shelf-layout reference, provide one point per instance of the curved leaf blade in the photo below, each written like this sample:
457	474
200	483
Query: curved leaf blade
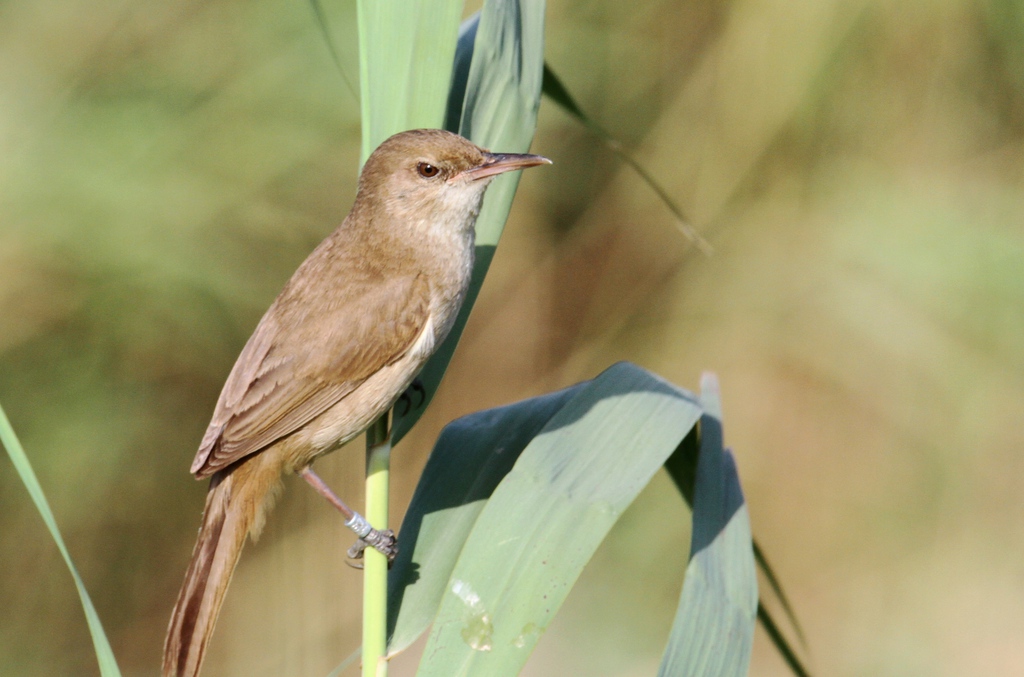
472	455
544	521
682	468
713	631
504	49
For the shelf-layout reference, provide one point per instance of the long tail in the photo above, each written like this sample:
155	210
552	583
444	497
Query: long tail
236	505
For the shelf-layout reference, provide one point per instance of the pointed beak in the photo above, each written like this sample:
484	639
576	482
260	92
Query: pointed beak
499	163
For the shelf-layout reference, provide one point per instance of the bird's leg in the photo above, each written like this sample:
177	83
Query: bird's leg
382	541
406	398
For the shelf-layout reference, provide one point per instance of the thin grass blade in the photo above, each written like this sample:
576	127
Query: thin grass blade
104	654
556	90
776	586
788	655
320	16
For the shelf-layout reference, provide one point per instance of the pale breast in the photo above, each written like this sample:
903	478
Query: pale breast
354	413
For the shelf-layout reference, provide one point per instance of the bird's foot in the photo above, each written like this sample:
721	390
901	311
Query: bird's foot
384	542
416	387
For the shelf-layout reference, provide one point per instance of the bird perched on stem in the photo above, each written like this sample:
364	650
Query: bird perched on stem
339	345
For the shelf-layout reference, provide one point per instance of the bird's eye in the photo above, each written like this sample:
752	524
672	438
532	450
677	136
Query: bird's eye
427	170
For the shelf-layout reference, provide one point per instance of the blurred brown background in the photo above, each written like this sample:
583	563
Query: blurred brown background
857	166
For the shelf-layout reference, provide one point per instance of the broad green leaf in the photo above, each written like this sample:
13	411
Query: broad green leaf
406	51
544	521
104	654
472	455
504	49
713	631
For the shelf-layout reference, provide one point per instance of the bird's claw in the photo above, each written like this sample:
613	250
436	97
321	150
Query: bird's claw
384	542
415	387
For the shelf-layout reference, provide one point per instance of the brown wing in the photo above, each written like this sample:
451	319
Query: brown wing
304	357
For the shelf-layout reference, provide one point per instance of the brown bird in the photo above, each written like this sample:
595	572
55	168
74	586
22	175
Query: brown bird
339	345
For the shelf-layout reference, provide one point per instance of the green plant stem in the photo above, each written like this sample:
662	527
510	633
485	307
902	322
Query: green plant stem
375	572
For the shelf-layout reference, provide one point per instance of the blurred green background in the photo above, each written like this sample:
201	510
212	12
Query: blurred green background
857	166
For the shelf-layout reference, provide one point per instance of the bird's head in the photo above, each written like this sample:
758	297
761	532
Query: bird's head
433	177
